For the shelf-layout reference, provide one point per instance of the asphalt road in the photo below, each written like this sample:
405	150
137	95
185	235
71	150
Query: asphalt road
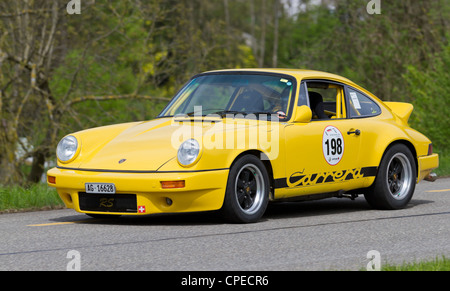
331	234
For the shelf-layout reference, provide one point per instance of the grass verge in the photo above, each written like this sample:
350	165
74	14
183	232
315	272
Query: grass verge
438	264
35	197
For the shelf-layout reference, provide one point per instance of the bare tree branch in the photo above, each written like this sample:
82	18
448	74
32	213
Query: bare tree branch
113	97
24	12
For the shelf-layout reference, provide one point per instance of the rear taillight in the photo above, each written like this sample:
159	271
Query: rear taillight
430	149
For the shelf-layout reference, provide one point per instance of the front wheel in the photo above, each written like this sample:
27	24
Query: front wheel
247	193
396	180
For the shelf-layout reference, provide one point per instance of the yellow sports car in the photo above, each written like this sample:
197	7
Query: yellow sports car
233	140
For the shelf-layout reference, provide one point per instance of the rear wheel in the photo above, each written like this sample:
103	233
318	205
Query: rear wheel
247	193
396	180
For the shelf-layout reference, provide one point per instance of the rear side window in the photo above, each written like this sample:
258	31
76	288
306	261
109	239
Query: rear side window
360	105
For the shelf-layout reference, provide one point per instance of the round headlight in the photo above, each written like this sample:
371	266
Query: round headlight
188	152
67	148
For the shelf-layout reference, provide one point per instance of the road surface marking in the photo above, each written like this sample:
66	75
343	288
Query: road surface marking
442	190
58	223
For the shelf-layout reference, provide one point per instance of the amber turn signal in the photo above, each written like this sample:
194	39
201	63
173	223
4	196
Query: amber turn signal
51	179
172	184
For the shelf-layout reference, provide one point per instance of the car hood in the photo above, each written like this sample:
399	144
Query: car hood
143	146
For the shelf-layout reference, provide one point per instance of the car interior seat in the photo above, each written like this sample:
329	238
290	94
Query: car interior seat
316	103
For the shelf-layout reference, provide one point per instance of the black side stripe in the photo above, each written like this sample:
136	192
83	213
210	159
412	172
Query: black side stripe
369	171
280	183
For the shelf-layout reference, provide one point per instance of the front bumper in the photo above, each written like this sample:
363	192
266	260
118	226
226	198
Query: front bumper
203	191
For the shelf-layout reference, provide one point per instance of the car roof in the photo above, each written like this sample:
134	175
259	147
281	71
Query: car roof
298	73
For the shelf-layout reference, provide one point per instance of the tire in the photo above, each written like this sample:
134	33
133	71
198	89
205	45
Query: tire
247	192
396	180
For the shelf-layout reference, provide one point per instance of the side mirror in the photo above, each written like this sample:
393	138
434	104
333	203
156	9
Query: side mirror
303	114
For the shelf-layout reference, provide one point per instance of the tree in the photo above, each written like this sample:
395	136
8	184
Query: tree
34	42
57	69
27	54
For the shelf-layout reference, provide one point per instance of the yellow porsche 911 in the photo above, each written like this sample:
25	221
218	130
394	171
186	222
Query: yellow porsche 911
234	140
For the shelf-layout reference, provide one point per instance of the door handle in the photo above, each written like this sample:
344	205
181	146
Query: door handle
356	131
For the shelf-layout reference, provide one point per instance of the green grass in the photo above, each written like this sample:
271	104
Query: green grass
438	264
39	196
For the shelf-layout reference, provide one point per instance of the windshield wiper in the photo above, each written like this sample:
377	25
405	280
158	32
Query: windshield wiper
267	113
200	111
223	113
245	114
193	113
260	112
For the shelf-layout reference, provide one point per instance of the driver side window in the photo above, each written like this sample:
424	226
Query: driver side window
325	100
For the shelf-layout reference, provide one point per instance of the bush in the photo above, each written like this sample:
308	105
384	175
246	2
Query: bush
430	94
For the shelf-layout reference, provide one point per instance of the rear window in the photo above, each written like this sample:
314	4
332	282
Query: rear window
361	105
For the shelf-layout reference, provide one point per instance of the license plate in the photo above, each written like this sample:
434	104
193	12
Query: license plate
108	202
100	188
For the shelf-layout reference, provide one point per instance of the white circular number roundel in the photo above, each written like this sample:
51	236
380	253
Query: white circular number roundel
332	145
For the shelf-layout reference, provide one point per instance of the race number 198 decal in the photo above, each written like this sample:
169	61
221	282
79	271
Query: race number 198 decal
332	145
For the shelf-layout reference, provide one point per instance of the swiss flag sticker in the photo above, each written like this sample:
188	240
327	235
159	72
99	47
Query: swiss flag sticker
141	209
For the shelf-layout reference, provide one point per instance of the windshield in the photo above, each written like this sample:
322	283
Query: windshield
225	94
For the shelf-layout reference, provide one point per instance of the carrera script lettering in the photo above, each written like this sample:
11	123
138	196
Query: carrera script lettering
299	179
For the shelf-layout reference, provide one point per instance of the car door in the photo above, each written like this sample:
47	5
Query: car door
362	112
324	154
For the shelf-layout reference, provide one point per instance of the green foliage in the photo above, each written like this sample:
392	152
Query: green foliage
429	91
149	48
306	41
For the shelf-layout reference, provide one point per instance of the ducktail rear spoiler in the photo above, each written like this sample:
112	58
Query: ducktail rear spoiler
401	109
